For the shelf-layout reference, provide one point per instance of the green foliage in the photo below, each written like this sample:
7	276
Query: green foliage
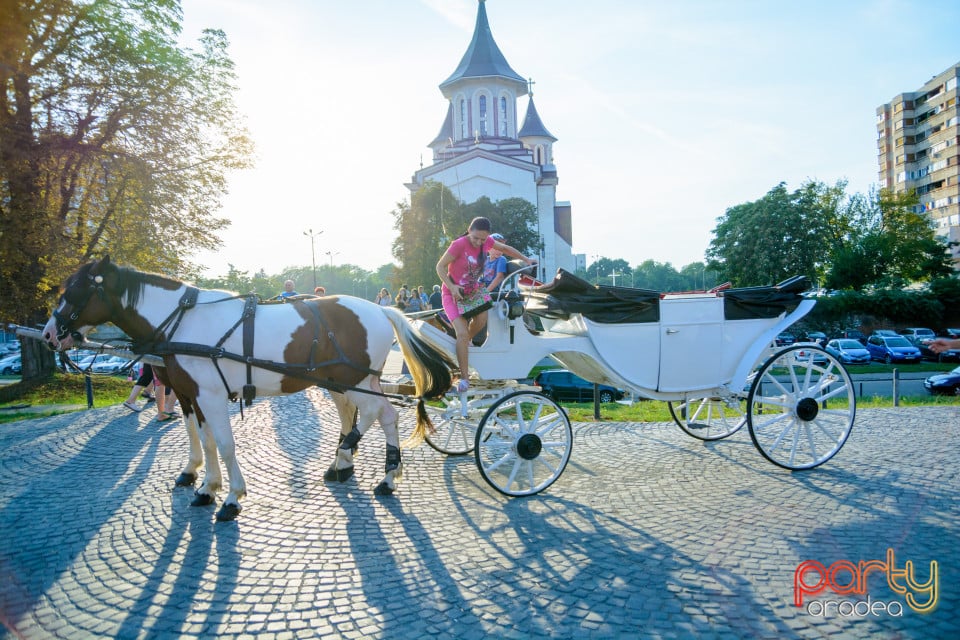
936	308
113	139
781	235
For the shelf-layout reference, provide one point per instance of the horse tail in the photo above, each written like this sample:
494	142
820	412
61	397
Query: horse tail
429	367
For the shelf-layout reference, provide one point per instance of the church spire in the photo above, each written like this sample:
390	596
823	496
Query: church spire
483	58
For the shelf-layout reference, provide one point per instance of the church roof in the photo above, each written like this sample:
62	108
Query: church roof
483	58
446	129
532	126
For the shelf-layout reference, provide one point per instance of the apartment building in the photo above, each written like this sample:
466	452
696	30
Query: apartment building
918	136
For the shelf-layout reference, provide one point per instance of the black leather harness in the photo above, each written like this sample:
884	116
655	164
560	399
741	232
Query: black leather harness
162	344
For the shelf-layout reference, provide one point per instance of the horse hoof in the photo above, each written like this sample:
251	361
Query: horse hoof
202	500
383	489
340	475
186	480
228	512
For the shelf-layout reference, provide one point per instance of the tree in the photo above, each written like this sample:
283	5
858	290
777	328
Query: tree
781	235
889	243
434	217
112	139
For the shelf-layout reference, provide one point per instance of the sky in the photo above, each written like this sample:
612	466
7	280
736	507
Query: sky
666	114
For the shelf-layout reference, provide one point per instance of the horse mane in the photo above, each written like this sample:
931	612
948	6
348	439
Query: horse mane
130	283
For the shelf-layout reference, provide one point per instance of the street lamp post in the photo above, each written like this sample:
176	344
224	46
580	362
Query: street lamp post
313	252
331	254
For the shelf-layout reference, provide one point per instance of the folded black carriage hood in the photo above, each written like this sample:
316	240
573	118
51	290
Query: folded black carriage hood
568	294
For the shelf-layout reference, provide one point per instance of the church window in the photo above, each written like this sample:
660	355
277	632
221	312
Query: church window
483	115
503	117
538	154
464	127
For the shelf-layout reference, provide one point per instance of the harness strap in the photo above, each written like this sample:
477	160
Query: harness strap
249	313
292	370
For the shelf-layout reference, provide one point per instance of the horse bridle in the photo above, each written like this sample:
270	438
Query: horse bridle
65	325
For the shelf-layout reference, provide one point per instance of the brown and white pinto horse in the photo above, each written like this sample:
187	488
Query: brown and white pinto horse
348	338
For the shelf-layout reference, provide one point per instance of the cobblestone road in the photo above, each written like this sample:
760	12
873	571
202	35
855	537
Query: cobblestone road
648	533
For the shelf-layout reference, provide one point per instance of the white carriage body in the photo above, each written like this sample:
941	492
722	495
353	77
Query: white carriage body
692	351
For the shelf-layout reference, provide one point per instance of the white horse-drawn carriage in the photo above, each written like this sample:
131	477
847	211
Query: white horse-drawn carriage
711	355
708	354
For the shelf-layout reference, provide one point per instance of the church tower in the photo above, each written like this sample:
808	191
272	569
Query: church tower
482	149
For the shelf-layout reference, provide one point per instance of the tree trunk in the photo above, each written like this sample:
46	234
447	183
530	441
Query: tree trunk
37	360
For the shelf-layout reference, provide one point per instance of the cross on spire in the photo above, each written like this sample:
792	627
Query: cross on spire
530	84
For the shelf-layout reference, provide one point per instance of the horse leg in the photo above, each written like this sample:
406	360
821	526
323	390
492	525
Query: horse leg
212	480
188	476
342	468
347	412
393	468
217	419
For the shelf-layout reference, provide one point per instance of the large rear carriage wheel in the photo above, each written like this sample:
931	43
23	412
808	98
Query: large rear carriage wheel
523	444
801	407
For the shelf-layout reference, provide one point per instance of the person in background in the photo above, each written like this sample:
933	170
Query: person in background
384	299
319	291
460	269
436	298
287	292
413	303
424	298
402	296
144	382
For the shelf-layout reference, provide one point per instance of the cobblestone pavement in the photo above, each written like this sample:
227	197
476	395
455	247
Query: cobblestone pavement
648	533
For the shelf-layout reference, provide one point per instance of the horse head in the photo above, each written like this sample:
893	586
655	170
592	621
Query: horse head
90	297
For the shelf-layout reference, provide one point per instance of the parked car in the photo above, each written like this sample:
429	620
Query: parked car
804	355
113	364
944	356
87	363
952	333
944	383
9	348
561	384
848	351
853	334
815	336
892	349
916	335
11	366
785	339
886	333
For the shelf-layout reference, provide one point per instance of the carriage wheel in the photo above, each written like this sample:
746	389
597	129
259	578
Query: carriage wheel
454	433
523	444
710	418
801	407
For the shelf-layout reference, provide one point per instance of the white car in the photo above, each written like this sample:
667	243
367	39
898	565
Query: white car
89	364
10	366
112	364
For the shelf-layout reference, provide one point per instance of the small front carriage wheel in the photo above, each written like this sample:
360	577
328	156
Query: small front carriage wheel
710	418
801	407
523	444
454	425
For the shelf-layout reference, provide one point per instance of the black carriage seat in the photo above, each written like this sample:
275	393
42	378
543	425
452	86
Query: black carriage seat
764	302
568	294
